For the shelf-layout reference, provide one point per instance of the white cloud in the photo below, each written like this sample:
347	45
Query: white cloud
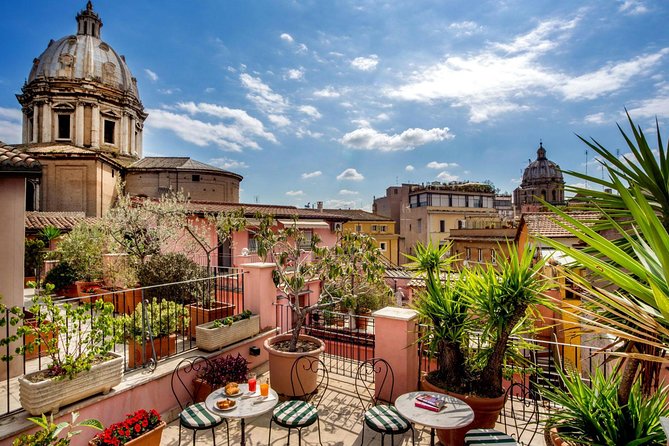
151	74
365	63
370	139
279	120
301	132
544	37
301	48
446	177
287	38
409	168
295	193
209	90
633	7
595	118
327	92
235	131
169	91
340	204
294	74
311	111
348	192
314	174
466	28
350	174
382	117
438	165
650	108
10	125
262	95
228	163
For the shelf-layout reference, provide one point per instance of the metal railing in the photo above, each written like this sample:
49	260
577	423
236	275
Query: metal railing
202	300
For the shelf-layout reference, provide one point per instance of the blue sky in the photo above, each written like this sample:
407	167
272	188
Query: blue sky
336	101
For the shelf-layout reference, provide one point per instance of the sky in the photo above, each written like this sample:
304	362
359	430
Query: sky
336	101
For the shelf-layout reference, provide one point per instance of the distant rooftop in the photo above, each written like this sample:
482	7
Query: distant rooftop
544	223
358	214
464	186
65	221
250	210
13	161
176	163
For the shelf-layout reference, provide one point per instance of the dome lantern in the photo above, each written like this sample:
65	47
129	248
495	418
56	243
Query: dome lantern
88	22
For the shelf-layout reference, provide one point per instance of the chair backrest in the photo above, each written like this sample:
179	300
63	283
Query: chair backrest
184	386
520	415
373	381
302	382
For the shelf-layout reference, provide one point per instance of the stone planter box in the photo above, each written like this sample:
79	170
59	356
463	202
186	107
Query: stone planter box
210	339
199	315
51	394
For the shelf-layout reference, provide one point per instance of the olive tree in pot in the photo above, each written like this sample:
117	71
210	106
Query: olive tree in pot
482	304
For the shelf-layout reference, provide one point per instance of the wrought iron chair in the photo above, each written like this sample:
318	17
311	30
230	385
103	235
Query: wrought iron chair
373	378
302	410
520	418
194	415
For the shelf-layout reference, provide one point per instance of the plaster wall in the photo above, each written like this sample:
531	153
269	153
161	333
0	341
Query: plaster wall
220	188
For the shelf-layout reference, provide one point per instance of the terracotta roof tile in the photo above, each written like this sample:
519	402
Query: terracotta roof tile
357	214
12	160
64	221
543	223
251	209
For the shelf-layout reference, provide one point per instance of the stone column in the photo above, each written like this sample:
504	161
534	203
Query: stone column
260	292
25	135
131	132
123	146
79	125
47	123
36	118
395	341
95	126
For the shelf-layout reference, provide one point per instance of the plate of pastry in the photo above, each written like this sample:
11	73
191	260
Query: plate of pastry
232	390
226	404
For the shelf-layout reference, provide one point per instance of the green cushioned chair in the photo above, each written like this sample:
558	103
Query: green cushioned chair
194	416
488	437
302	410
373	377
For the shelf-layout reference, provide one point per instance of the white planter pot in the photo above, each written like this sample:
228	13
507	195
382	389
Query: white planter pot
51	394
209	338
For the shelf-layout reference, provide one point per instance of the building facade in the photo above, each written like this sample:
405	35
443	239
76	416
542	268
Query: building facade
542	180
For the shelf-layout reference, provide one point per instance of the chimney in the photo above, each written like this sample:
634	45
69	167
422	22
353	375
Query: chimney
319	205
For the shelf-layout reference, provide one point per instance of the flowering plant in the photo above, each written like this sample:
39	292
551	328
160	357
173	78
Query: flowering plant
226	369
134	425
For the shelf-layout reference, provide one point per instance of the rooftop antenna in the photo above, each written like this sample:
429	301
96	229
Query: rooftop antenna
586	167
256	198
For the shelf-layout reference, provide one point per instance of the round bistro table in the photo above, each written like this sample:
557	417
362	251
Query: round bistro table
455	414
245	408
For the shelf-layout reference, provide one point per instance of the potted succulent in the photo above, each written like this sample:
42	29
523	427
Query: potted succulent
219	372
49	432
485	304
82	365
222	332
141	428
164	318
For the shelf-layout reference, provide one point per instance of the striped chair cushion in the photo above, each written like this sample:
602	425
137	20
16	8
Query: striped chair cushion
482	437
385	419
196	416
295	413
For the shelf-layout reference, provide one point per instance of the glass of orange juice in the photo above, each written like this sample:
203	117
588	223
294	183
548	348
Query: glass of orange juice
264	388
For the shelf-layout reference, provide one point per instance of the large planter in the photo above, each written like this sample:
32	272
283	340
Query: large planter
51	394
125	301
31	338
164	346
552	438
82	286
361	322
486	412
67	291
281	363
200	315
150	438
210	338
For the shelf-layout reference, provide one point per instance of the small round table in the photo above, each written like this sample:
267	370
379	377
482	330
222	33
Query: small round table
245	407
455	414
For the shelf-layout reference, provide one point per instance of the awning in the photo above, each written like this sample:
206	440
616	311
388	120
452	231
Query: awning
557	256
305	224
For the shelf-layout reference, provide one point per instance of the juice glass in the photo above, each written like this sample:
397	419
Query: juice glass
264	388
252	382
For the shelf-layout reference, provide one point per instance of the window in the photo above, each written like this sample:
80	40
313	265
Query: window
63	126
253	244
358	228
383	228
382	246
306	243
480	255
109	131
468	254
442	225
374	228
419	225
196	177
493	256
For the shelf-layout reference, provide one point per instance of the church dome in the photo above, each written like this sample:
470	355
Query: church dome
85	57
542	170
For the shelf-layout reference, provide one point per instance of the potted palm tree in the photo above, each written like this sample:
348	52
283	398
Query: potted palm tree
482	306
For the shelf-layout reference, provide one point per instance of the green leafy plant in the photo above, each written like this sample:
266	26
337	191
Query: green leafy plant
590	413
173	268
49	233
488	304
34	256
223	370
49	433
62	275
229	320
74	336
9	317
163	317
82	248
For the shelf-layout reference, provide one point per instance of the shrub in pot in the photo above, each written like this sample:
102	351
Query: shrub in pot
63	277
33	257
172	268
83	248
485	304
219	372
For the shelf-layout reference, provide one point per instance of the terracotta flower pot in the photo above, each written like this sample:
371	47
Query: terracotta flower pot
552	438
200	315
486	412
164	345
150	438
281	363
